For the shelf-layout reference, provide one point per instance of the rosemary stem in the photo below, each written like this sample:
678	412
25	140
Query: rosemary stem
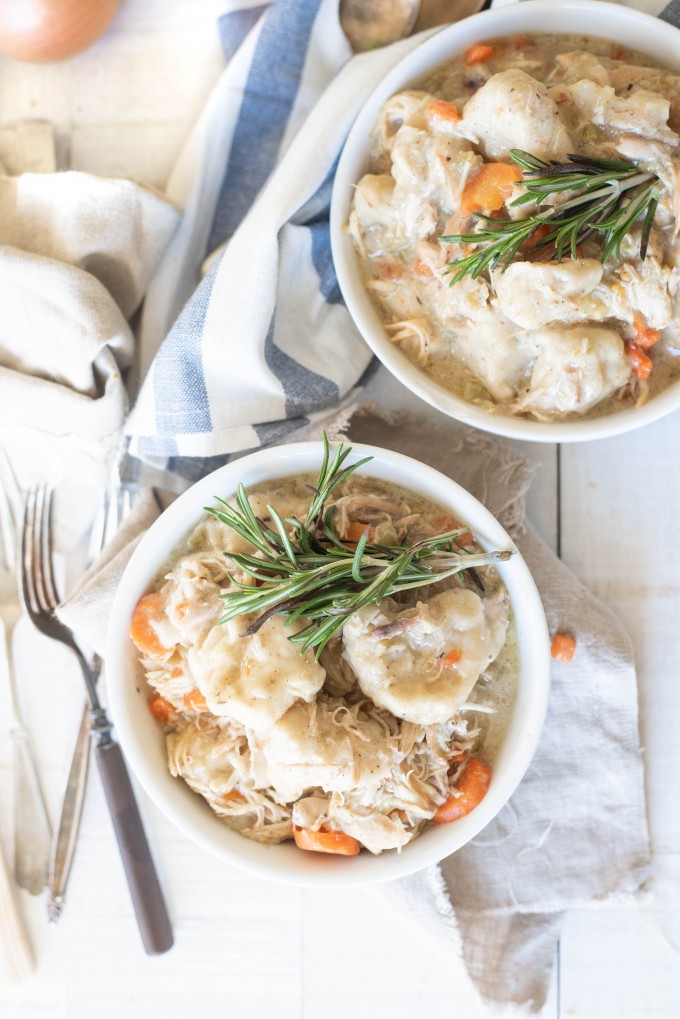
607	196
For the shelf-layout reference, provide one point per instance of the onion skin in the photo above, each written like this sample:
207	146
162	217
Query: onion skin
43	31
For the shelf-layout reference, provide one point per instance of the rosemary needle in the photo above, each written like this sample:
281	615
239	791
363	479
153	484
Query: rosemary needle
603	195
305	571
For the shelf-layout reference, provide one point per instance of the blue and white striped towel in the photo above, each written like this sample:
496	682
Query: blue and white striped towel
264	342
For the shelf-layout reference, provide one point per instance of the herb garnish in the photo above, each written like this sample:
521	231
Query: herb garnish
305	570
609	197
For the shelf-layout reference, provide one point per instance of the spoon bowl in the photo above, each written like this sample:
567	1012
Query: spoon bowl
372	23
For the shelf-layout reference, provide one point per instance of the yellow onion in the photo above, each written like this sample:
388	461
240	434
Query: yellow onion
41	31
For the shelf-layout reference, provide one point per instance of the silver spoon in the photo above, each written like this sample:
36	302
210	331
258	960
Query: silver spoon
371	23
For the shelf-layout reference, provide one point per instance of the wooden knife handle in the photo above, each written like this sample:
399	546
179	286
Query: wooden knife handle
145	889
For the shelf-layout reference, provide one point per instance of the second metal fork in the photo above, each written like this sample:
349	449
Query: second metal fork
31	823
40	597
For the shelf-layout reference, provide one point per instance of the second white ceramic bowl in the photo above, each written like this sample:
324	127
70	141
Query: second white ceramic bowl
141	737
631	28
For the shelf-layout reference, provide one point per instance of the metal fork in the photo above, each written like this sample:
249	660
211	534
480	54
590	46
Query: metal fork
31	823
40	598
118	500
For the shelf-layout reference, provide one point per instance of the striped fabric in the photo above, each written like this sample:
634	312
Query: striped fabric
264	342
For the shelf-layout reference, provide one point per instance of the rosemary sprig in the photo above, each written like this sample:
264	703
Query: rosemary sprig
607	196
305	571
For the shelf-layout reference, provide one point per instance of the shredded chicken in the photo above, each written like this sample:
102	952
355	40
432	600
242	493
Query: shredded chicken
641	112
414	336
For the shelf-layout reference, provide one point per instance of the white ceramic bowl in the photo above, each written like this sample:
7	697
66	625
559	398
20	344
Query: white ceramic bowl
620	24
141	737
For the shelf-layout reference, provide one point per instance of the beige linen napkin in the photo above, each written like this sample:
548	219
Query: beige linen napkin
574	833
77	253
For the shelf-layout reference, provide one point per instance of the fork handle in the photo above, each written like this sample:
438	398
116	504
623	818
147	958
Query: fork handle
145	890
64	841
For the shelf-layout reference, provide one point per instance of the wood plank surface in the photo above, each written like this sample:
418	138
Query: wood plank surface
618	517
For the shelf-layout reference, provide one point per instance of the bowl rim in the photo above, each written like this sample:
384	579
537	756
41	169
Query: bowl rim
452	39
122	672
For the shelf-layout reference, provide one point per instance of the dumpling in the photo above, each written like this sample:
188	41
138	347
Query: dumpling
531	294
576	368
514	111
398	656
253	679
327	745
496	352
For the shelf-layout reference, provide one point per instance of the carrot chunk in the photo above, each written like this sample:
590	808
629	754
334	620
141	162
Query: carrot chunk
195	701
521	41
149	609
181	609
645	336
446	522
563	647
619	53
441	110
160	708
422	269
472	789
452	657
539	234
233	796
326	842
477	54
355	531
390	270
490	188
641	365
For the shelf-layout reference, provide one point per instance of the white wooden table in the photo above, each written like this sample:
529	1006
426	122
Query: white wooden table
247	948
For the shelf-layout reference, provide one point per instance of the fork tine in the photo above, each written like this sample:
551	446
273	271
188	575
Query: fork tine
35	553
45	525
37	546
28	590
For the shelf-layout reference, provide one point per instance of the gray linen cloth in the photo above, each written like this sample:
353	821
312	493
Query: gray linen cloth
77	253
574	833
